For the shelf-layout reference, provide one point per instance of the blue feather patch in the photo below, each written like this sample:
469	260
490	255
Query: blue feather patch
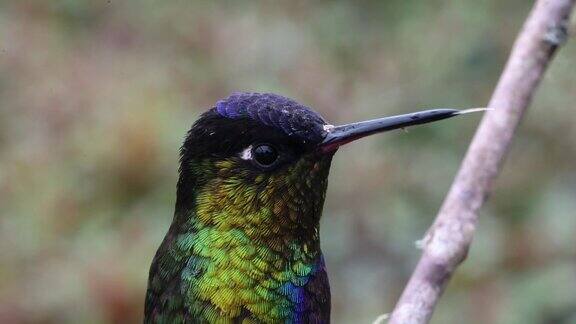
276	111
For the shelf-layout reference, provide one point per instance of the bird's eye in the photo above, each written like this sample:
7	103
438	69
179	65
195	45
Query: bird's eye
265	155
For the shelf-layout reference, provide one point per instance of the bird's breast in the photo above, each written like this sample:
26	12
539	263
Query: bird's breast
230	276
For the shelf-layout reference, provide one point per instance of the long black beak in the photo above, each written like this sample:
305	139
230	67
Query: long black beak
339	135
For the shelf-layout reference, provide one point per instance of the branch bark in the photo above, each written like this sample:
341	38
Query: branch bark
447	241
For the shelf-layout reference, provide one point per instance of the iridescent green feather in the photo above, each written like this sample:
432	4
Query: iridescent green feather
247	250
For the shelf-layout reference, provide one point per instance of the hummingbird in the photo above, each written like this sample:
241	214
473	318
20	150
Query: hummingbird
244	243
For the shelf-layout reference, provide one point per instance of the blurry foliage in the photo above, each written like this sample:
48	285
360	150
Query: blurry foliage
95	97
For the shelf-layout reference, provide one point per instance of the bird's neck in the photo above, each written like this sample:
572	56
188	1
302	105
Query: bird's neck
280	211
247	241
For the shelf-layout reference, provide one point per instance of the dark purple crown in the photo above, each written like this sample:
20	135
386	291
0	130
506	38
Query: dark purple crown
276	111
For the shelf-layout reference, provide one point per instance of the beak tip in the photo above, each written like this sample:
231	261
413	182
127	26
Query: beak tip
473	110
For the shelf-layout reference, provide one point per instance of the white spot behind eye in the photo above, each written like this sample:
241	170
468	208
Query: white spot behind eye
246	154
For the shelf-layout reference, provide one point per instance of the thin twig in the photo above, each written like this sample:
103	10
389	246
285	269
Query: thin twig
447	241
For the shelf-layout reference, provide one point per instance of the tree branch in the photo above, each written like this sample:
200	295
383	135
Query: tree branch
447	241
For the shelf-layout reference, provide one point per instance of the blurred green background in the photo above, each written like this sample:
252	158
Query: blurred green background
96	96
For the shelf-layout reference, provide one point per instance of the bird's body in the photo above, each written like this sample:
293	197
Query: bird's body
244	244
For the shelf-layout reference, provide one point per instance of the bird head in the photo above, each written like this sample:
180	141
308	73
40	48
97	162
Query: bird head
260	162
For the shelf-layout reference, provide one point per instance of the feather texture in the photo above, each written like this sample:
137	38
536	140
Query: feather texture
244	244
